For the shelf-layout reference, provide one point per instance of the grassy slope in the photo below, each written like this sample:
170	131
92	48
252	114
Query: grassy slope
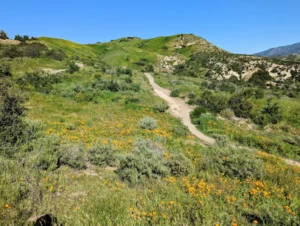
115	52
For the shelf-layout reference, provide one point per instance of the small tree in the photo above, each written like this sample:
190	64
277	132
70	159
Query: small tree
3	35
73	67
12	112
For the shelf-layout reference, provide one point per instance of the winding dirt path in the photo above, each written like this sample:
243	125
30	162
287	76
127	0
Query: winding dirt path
179	109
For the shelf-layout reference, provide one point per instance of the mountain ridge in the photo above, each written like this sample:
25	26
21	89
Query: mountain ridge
281	50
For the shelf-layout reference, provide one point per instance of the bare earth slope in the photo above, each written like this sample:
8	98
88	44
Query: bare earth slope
179	109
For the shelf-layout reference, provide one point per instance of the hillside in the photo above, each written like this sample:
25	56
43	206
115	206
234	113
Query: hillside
162	52
281	51
85	140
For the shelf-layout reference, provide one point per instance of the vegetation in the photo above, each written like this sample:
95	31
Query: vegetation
97	147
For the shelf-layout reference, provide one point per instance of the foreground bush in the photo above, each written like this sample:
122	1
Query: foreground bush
145	162
180	130
235	162
103	155
73	156
179	165
148	123
161	107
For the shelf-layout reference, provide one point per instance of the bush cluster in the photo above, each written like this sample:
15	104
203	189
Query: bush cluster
148	123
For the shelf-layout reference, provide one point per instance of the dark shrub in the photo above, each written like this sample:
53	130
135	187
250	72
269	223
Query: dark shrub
4	69
175	93
197	112
240	106
73	67
179	165
12	113
260	78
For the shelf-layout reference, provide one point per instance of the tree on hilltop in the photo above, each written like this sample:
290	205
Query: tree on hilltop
3	35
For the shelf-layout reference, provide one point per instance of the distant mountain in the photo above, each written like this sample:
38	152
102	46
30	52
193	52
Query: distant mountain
281	51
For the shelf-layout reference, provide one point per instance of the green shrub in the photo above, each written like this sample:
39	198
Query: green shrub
227	113
34	50
3	35
131	100
148	123
45	154
180	130
149	68
240	106
213	103
237	163
260	78
197	112
179	165
175	93
145	162
73	67
161	107
191	95
12	113
4	69
103	155
78	88
56	55
73	156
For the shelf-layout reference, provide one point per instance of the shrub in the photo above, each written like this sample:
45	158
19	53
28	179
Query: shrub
148	123
179	165
34	50
40	81
240	106
214	103
175	93
4	69
161	107
149	68
12	113
259	94
131	100
260	78
273	112
227	113
191	95
145	162
56	55
197	112
45	154
180	130
113	86
237	163
3	35
73	156
73	67
78	88
103	155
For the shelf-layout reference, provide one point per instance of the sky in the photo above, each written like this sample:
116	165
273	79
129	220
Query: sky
238	26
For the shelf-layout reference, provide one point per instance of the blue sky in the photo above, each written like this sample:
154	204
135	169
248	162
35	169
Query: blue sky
239	26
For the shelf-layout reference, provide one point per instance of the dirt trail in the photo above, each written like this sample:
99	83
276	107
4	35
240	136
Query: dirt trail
179	109
53	71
